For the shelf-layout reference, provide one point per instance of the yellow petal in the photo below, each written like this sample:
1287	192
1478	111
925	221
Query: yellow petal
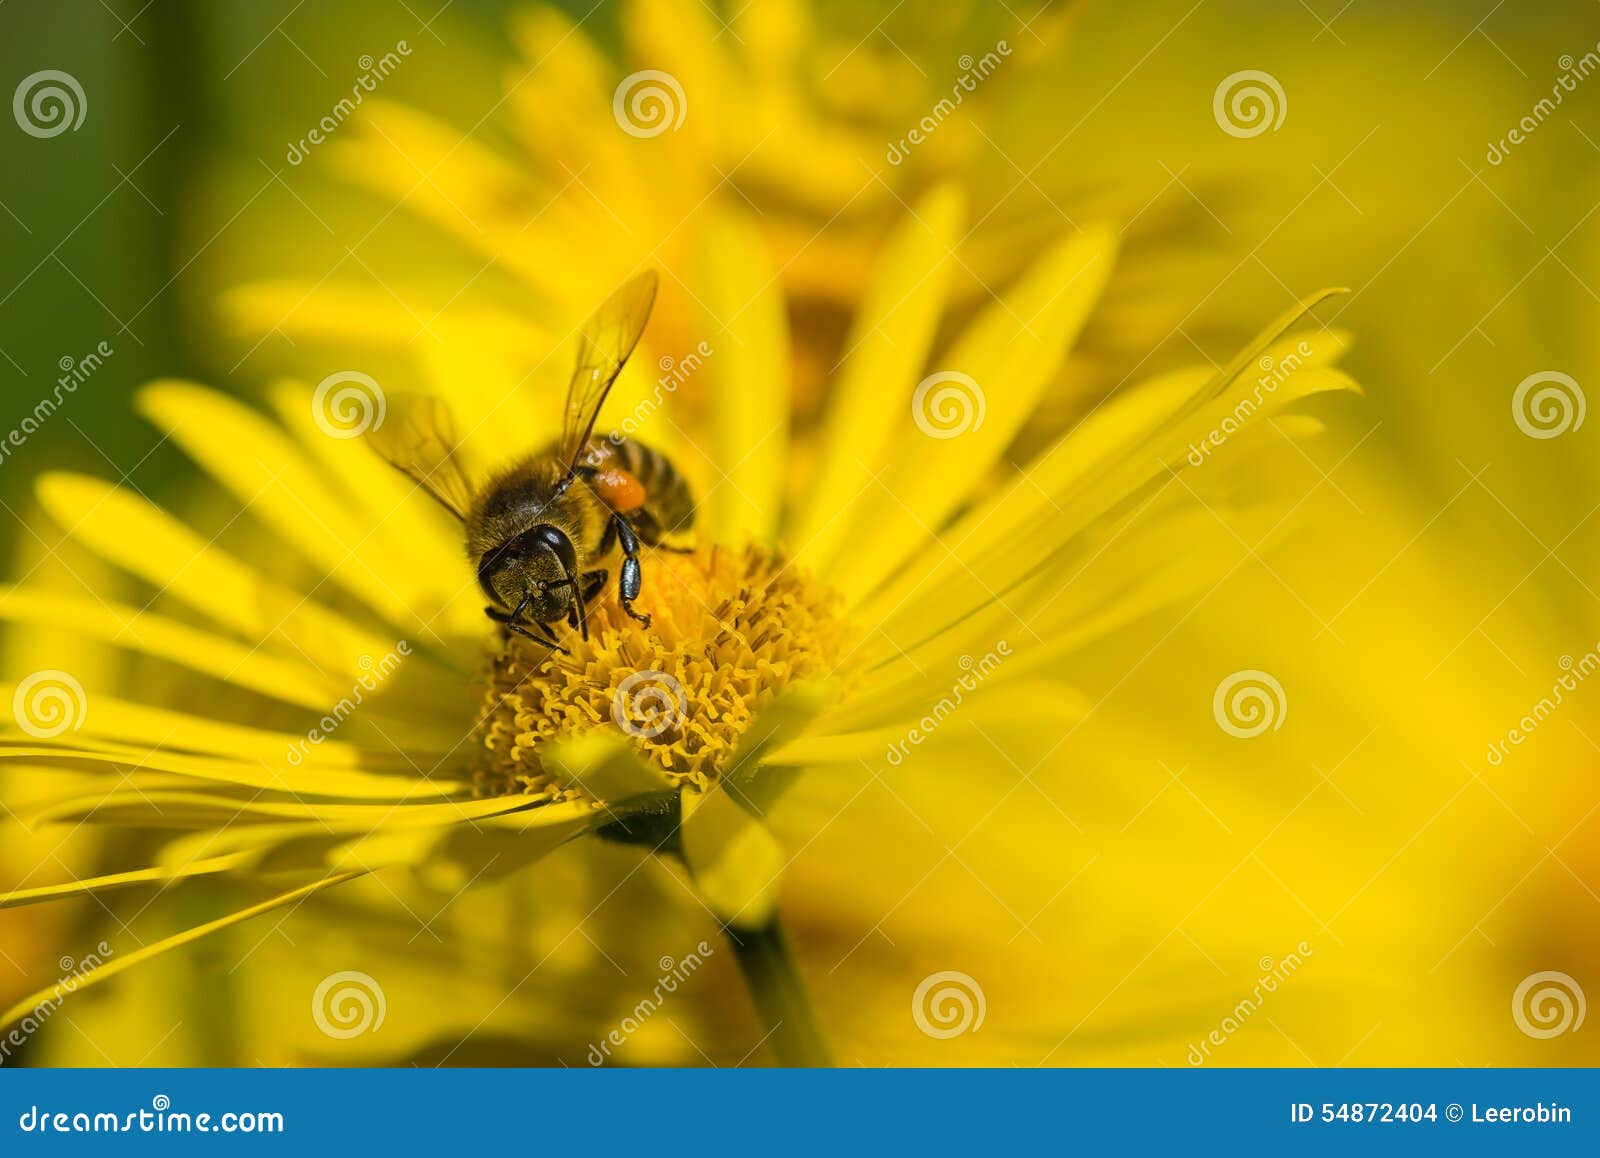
985	577
58	992
920	706
884	355
143	631
419	546
91	885
1038	493
128	530
460	184
344	315
747	777
678	37
200	810
749	372
261	467
491	848
735	862
606	765
1007	357
118	734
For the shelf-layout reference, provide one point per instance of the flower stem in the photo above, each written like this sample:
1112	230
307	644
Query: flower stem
767	963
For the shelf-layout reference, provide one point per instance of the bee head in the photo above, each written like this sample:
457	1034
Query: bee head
536	571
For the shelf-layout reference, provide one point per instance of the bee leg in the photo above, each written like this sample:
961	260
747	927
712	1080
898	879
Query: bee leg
588	586
648	528
593	583
631	579
501	617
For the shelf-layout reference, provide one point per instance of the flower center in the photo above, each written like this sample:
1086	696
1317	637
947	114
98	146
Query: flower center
729	630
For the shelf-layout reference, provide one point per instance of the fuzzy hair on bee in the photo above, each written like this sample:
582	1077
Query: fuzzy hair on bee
538	529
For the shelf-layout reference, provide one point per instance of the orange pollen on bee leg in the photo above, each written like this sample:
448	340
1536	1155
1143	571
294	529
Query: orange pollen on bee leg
622	491
728	630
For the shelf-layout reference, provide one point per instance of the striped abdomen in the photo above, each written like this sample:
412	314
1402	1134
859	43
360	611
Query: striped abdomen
667	507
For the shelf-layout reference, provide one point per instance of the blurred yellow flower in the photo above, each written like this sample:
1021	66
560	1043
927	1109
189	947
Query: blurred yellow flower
814	629
826	122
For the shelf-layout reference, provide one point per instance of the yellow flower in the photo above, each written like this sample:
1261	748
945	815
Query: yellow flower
820	628
828	121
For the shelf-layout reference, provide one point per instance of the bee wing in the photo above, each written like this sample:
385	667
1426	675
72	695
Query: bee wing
607	339
418	438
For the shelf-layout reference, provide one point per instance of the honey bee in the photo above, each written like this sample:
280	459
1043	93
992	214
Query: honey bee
536	528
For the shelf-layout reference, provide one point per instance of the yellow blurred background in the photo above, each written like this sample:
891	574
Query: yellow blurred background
1431	580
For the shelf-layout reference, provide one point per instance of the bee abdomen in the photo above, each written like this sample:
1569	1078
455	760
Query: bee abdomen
667	496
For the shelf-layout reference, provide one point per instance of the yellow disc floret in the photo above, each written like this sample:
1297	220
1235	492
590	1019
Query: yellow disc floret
729	629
